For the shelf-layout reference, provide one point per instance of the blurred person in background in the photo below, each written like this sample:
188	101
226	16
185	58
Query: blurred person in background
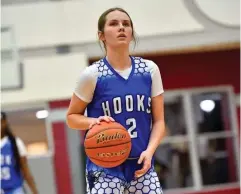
14	165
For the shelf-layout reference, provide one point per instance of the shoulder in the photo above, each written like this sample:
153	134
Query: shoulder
89	74
149	65
96	69
19	141
91	70
21	147
87	81
101	69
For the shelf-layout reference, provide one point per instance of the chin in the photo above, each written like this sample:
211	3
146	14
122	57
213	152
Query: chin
122	43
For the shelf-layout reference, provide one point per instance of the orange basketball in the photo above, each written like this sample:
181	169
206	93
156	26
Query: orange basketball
108	144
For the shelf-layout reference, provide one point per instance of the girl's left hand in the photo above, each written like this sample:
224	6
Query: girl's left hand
145	158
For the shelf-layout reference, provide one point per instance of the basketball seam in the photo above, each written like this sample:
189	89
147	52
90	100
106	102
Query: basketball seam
104	130
107	145
107	161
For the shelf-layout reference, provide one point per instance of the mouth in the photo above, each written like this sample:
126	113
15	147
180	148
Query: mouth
121	36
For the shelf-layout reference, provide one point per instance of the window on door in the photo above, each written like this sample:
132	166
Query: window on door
201	146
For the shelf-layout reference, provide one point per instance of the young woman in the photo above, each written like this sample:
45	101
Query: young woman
14	166
127	90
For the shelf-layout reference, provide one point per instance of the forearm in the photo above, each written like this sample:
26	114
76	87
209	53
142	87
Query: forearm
30	181
157	134
79	122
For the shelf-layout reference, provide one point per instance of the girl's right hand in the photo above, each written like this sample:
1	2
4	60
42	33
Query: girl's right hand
101	118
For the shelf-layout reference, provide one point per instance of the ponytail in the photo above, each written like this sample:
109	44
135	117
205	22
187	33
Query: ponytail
15	150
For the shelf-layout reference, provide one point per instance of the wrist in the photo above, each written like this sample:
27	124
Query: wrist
91	120
150	150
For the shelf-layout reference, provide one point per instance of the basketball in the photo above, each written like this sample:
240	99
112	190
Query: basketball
107	144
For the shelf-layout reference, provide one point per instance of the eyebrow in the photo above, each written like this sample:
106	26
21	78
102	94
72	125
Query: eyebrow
114	20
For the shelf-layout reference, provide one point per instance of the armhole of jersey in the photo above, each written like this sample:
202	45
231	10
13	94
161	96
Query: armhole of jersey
153	70
92	75
81	97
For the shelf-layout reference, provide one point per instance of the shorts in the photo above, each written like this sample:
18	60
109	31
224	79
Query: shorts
13	191
106	184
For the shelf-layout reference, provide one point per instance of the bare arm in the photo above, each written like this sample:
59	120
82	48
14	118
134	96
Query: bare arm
77	120
157	134
27	175
158	129
75	114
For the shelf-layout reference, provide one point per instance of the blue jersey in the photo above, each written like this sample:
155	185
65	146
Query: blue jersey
127	98
128	101
11	178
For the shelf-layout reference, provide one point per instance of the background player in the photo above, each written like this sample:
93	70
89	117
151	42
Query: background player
128	90
14	165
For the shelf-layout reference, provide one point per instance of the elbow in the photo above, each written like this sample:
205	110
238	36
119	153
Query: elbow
69	121
73	122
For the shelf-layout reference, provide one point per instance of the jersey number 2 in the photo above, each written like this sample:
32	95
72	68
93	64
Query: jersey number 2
132	123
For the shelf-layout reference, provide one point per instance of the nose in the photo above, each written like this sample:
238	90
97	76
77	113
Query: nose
121	27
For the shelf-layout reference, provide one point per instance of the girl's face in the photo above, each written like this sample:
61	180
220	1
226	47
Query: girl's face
117	30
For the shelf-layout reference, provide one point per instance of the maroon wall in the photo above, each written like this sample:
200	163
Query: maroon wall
200	69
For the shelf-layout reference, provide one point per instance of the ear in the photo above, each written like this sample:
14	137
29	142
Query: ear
101	36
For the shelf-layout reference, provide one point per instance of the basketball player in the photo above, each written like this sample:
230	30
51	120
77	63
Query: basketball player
14	166
127	90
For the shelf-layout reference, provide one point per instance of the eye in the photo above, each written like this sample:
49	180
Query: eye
113	23
127	24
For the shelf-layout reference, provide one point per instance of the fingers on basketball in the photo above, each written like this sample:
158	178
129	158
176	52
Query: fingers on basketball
108	144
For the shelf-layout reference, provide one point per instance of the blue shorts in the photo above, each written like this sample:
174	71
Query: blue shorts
102	183
125	171
13	191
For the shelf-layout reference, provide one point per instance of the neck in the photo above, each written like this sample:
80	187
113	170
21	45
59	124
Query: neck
119	58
